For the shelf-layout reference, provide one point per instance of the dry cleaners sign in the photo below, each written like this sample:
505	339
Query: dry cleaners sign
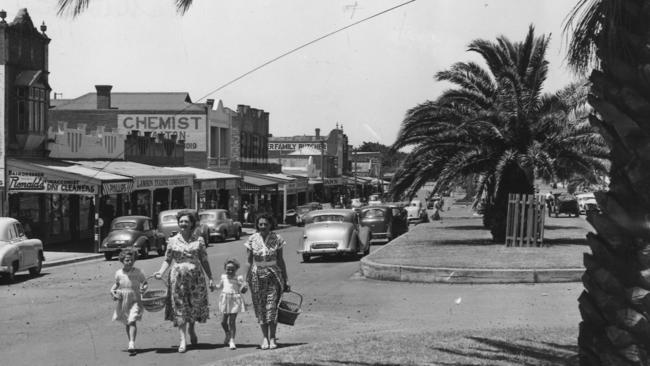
188	127
30	181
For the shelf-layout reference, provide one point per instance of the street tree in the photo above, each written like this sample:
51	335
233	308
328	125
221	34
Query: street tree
495	124
76	7
610	38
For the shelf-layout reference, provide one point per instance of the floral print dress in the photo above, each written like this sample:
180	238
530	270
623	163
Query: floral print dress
265	281
187	295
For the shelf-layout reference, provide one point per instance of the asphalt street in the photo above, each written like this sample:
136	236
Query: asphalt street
63	317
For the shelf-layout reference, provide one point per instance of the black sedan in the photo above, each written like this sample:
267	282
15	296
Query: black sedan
385	222
135	232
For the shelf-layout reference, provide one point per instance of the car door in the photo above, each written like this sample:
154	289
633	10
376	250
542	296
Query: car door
30	255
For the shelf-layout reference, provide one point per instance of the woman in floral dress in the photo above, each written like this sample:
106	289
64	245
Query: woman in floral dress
187	299
266	276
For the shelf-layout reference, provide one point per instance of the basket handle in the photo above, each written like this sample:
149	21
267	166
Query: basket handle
299	295
162	278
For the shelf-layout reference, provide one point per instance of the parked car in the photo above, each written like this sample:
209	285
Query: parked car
417	213
379	220
137	232
17	252
374	199
220	225
168	222
565	203
333	232
587	202
303	210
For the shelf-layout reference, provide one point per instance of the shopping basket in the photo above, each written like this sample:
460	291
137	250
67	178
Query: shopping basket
289	307
153	299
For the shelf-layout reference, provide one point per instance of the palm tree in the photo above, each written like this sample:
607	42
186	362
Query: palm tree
612	37
76	7
495	124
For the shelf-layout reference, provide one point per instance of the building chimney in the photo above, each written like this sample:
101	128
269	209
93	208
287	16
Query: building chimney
210	103
103	96
318	133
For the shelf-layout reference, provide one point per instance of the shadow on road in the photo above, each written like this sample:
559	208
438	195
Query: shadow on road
520	352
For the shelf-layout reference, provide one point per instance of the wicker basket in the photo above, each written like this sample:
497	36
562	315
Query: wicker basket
154	298
289	307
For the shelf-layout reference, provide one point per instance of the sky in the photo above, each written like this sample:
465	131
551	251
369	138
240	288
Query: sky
363	78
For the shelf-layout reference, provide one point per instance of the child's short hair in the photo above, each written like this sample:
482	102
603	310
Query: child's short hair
128	252
233	261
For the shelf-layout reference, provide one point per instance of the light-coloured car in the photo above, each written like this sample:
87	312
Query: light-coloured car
17	252
220	225
587	202
417	212
136	232
333	232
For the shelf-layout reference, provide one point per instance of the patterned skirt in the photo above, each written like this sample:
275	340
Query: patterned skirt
266	284
187	295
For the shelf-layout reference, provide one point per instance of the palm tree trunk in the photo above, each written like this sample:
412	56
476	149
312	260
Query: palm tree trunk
616	301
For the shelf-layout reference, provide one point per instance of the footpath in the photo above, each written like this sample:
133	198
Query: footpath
458	249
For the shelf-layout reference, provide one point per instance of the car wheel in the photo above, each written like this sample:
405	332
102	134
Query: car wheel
162	250
108	256
144	252
11	276
224	236
556	214
238	234
305	257
35	271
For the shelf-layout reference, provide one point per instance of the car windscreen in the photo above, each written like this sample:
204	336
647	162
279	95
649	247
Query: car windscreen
121	225
329	218
206	217
373	213
169	218
304	210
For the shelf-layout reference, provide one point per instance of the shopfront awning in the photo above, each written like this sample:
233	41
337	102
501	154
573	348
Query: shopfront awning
205	179
144	176
256	184
54	176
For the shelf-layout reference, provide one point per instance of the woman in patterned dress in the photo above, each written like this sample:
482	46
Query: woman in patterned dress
187	294
266	276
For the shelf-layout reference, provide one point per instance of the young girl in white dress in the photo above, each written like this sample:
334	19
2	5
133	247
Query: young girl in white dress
231	302
129	284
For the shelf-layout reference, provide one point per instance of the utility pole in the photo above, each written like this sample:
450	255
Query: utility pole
356	157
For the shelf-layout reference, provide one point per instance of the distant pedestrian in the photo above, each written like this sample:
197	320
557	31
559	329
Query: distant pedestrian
437	207
231	301
129	284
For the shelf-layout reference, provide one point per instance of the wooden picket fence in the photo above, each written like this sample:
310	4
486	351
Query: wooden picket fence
525	225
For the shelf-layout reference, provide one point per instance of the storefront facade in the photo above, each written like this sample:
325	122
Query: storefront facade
213	189
58	202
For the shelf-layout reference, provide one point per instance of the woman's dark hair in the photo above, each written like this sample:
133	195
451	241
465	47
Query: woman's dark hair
128	252
189	214
268	218
233	261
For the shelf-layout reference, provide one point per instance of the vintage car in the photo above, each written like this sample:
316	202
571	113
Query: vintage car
168	221
17	252
587	202
333	232
220	225
302	210
379	220
374	199
565	203
137	232
417	213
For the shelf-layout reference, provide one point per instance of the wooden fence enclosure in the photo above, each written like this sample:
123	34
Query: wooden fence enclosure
525	225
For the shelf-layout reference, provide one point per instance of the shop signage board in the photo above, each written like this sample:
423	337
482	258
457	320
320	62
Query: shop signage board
162	182
24	180
292	146
117	187
332	181
188	127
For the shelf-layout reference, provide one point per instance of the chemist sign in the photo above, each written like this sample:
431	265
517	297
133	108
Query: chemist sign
190	128
23	180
